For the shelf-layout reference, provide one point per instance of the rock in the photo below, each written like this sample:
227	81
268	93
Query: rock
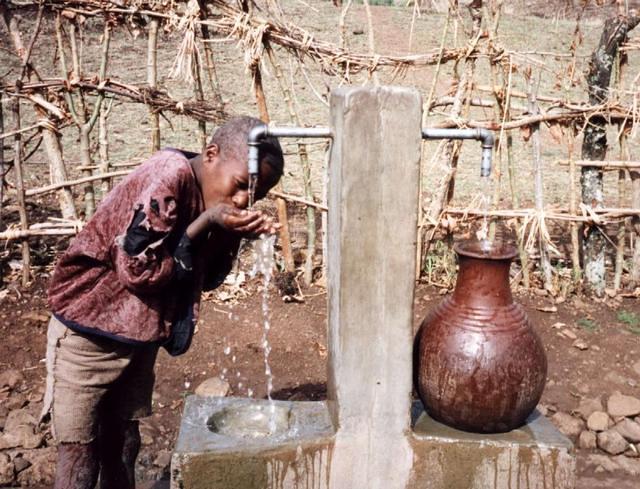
632	452
20	464
615	378
213	387
588	406
581	345
567	424
16	401
598	421
11	379
608	464
630	465
42	468
20	431
22	436
612	442
19	417
630	430
621	405
149	431
7	471
163	459
636	367
587	440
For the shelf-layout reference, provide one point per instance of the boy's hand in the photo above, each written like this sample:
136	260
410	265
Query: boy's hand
232	219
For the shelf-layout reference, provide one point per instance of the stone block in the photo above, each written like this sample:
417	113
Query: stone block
535	456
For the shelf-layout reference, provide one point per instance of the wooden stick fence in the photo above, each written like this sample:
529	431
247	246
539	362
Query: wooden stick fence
72	97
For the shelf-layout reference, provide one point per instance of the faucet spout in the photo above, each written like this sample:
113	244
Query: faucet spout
479	134
258	133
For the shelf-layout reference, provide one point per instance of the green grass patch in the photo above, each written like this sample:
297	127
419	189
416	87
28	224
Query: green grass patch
634	329
629	318
588	325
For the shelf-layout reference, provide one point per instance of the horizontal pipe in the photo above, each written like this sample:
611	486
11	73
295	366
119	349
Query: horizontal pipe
479	134
258	133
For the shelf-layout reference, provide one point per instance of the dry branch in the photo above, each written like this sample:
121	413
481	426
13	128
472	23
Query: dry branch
159	100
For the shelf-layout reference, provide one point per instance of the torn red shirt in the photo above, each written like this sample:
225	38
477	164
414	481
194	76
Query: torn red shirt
119	277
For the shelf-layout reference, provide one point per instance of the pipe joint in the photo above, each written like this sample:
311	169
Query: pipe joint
479	134
258	133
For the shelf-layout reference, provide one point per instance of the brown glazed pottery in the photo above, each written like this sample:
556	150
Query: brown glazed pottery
481	367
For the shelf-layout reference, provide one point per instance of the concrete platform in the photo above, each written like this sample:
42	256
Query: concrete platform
296	457
536	456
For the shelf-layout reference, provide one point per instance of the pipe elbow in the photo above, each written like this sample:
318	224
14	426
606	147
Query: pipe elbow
486	136
255	136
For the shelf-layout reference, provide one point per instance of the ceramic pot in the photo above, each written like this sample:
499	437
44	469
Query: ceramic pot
481	366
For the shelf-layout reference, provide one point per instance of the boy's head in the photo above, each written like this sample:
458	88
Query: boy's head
224	175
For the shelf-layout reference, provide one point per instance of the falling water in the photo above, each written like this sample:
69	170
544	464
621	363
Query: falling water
253	184
263	264
483	234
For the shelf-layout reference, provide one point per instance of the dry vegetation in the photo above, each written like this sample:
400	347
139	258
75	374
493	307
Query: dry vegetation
516	67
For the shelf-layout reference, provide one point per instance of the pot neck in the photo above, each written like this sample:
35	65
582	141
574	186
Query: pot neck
483	283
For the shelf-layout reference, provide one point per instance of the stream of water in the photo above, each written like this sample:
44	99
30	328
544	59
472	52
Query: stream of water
264	262
484	233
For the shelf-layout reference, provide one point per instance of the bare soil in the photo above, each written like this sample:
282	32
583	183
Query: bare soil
228	344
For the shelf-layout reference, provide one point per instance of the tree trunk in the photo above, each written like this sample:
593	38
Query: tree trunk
22	205
594	146
58	172
152	78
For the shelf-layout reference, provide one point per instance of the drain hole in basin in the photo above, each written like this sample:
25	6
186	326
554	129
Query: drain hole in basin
253	421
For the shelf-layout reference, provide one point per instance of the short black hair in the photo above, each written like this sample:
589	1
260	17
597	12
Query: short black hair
232	140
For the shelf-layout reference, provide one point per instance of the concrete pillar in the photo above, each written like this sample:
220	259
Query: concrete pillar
373	203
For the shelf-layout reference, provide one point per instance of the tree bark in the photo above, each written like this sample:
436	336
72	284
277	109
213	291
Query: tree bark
152	80
594	146
22	205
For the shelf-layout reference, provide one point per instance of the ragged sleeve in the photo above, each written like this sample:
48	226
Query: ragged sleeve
140	254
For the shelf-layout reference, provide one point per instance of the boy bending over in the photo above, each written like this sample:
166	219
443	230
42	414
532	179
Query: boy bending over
130	282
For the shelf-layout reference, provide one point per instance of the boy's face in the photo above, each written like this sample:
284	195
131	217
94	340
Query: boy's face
226	180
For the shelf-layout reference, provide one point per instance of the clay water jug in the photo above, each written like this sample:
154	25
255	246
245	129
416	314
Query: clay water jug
481	366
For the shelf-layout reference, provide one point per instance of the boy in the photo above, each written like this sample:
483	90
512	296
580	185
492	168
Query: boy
130	282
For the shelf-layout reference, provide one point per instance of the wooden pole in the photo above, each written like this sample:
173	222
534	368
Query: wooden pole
306	172
573	227
545	263
281	205
208	54
152	81
199	93
50	138
103	145
70	183
22	206
1	160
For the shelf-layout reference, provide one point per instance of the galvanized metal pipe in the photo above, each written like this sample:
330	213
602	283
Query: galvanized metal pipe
260	132
478	134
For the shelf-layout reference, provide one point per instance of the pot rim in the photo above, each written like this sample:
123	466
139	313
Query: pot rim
472	249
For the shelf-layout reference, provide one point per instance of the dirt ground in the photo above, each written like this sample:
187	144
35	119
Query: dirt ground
228	344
